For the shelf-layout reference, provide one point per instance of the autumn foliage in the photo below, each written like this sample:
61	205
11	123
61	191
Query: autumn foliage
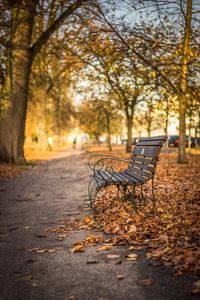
173	234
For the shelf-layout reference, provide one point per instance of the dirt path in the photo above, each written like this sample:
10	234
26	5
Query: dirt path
53	192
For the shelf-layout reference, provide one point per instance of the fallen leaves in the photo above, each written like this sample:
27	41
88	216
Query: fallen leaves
8	171
120	277
93	240
77	248
196	289
173	234
105	248
145	282
65	227
92	262
132	256
132	229
40	250
113	256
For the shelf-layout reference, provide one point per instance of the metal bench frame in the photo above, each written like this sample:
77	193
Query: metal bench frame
141	168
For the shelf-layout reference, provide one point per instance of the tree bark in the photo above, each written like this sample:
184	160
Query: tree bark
129	134
182	157
149	121
108	130
13	125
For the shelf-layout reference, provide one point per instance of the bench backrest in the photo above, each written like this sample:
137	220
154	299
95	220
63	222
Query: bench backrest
145	156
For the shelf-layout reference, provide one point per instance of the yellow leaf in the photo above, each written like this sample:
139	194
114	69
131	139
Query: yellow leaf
103	248
78	248
132	256
132	248
91	239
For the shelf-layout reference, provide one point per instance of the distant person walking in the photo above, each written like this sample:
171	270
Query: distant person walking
74	143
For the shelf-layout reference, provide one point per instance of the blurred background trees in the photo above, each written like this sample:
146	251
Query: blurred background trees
113	70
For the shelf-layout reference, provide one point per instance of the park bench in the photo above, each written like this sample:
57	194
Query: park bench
140	170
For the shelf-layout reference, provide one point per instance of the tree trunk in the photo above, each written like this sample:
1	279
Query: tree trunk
13	127
149	120
22	56
182	158
129	134
167	116
190	135
108	130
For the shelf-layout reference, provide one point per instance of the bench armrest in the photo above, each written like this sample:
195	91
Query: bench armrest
96	162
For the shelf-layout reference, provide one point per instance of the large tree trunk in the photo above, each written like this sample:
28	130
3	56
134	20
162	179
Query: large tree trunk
182	158
13	126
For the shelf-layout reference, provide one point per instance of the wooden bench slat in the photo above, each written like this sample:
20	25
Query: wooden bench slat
136	176
120	178
104	175
137	159
123	179
140	171
112	178
149	143
131	179
147	151
154	138
142	166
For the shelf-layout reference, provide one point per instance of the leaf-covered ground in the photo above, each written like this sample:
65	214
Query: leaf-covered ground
9	171
173	234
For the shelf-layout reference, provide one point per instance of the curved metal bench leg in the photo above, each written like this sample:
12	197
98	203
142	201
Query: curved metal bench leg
92	194
151	206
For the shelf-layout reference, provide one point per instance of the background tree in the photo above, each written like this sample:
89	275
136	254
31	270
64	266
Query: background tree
162	38
23	51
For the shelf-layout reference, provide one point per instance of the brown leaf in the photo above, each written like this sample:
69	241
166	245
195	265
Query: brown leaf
145	282
92	262
113	256
35	284
71	298
120	277
132	229
196	289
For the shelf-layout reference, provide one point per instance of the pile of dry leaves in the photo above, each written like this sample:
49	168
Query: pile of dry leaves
9	171
173	234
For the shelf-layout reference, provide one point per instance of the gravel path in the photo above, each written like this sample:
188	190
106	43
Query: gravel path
48	195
